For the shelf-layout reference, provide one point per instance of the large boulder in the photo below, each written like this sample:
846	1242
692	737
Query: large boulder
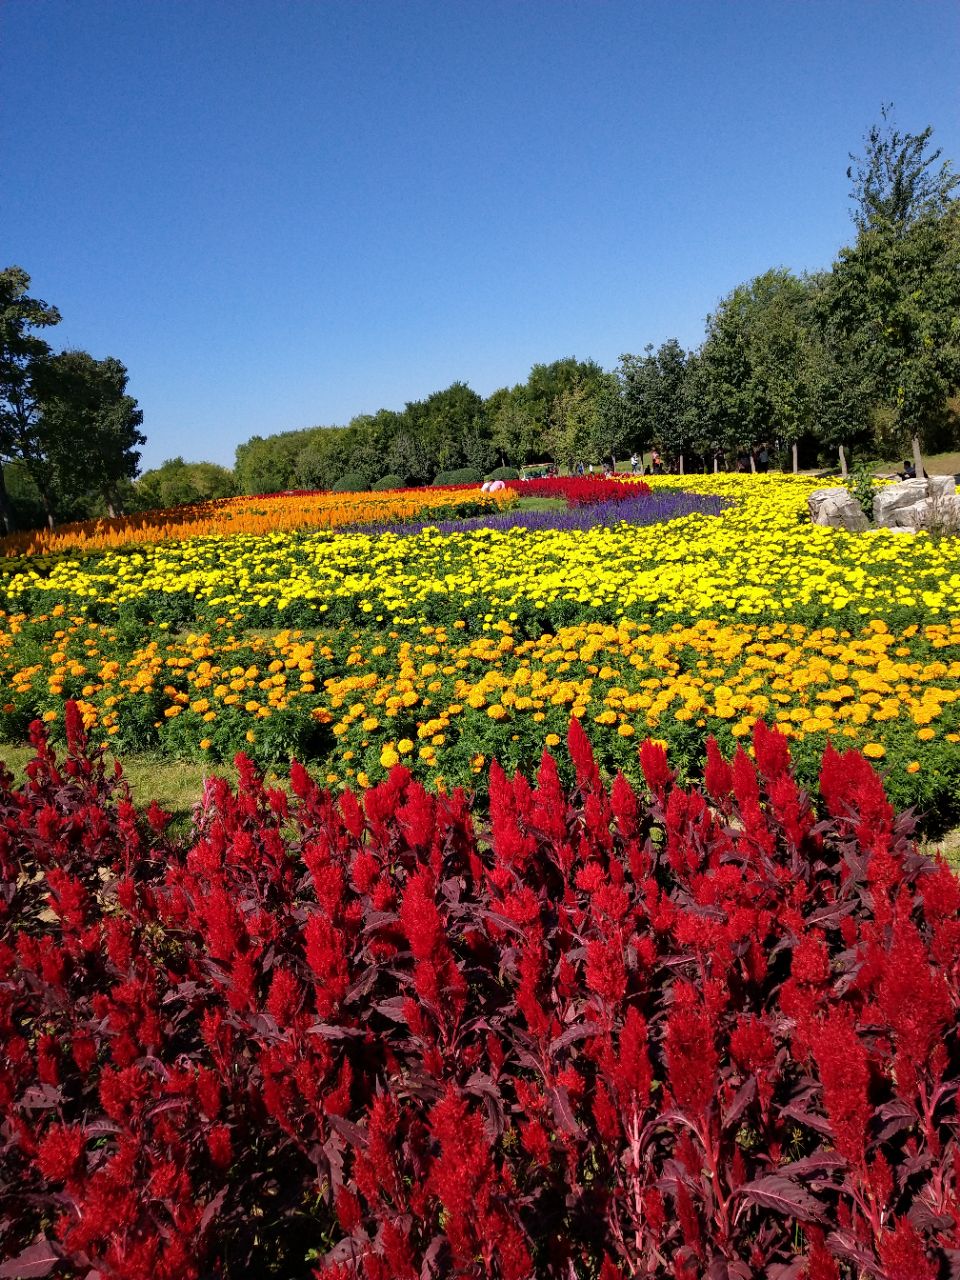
889	503
943	515
941	486
917	504
837	509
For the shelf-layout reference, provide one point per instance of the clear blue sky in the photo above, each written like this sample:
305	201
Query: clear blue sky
280	214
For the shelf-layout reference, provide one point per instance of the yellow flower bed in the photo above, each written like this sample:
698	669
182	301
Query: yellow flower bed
760	558
443	702
444	651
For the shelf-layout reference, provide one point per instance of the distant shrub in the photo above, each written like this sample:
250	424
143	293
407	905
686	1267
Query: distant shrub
504	473
388	482
463	475
352	482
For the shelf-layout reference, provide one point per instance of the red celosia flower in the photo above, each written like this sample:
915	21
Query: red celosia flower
772	752
62	1152
903	1255
653	762
717	776
691	1053
220	1146
632	1072
605	970
820	1262
845	1076
915	1002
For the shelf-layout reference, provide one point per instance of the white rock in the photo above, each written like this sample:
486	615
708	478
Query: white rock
837	509
941	486
895	496
943	514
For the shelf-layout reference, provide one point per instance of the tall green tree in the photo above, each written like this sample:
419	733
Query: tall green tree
610	428
571	425
550	385
654	399
23	353
514	430
891	304
898	179
89	427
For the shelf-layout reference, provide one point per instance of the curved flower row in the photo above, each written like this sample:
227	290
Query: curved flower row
224	517
759	559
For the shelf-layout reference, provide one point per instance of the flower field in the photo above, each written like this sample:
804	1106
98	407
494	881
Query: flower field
225	517
588	945
615	1034
447	647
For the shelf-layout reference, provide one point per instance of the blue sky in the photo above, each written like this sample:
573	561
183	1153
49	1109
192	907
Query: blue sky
280	214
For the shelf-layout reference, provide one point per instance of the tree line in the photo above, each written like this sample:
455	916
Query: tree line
865	355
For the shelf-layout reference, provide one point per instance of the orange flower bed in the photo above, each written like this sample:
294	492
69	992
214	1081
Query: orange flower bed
270	514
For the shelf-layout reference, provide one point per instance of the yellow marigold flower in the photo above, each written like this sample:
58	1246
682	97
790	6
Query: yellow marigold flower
552	739
874	751
926	734
497	712
171	712
205	744
389	757
913	766
405	746
49	717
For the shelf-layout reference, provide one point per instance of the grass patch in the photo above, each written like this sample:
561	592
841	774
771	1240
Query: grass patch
176	785
935	464
539	504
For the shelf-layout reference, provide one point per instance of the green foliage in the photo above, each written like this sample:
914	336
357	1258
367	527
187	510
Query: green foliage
66	420
352	482
890	308
861	485
896	182
387	482
461	475
504	473
655	398
175	482
269	465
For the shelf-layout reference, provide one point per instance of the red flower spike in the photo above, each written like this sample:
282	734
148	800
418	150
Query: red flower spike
903	1255
653	762
718	776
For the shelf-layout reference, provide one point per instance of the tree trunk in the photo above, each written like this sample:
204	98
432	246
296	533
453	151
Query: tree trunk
843	463
753	463
681	464
795	468
918	459
47	505
6	510
716	465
